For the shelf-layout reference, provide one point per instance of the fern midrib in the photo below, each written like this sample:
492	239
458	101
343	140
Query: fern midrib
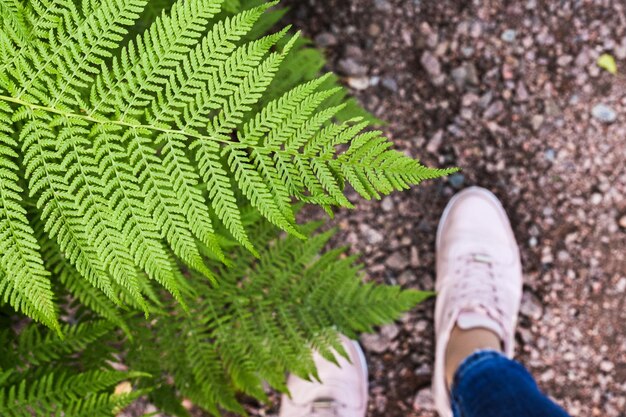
195	135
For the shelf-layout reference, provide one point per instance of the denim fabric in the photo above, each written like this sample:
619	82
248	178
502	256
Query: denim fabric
487	384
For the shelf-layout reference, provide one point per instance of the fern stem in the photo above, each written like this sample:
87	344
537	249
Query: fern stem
117	122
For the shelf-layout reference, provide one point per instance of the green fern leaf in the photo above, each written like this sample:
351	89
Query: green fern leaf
24	282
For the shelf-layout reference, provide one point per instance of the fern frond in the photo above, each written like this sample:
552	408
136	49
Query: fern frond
38	349
51	393
24	282
138	148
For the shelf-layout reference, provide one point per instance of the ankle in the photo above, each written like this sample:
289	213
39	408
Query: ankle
463	343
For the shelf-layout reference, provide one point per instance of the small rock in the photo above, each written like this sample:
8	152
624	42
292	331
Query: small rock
325	39
382	5
349	66
374	30
374	343
549	154
431	64
622	222
424	400
536	122
390	84
607	366
530	306
459	75
387	204
604	113
406	278
397	261
621	285
390	331
494	110
521	92
564	60
372	236
381	341
414	261
509	35
358	83
456	180
596	198
435	142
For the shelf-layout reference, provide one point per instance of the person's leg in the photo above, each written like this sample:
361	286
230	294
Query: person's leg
342	392
479	286
488	384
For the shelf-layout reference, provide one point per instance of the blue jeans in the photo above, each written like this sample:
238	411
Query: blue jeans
487	384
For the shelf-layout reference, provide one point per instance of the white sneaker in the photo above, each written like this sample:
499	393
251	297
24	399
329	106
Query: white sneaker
479	277
342	392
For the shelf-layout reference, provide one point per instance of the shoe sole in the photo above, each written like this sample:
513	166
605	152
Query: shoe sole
362	360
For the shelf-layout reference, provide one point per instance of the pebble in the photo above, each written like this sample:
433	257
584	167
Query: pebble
397	261
622	221
390	84
509	35
325	39
435	142
358	83
495	109
530	306
607	366
536	122
604	113
387	204
550	155
382	341
424	400
456	180
564	60
374	30
372	236
349	66
414	260
431	64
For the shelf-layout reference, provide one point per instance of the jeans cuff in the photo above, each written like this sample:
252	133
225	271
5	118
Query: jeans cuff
472	360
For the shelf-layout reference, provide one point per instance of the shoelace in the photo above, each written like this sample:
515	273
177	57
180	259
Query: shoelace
478	282
326	407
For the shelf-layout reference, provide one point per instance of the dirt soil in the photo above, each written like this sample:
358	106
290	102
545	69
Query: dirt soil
510	92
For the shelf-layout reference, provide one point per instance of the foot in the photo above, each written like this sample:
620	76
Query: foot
341	393
479	285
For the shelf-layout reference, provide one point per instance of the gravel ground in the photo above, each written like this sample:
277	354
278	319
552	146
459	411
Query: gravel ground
510	92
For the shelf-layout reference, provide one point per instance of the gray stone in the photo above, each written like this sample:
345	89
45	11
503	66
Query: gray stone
604	113
435	142
536	122
381	341
424	400
349	66
397	261
495	109
372	236
325	39
531	306
509	35
390	84
549	154
358	83
456	180
387	204
431	64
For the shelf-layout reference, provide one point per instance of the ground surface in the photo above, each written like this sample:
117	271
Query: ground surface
504	90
